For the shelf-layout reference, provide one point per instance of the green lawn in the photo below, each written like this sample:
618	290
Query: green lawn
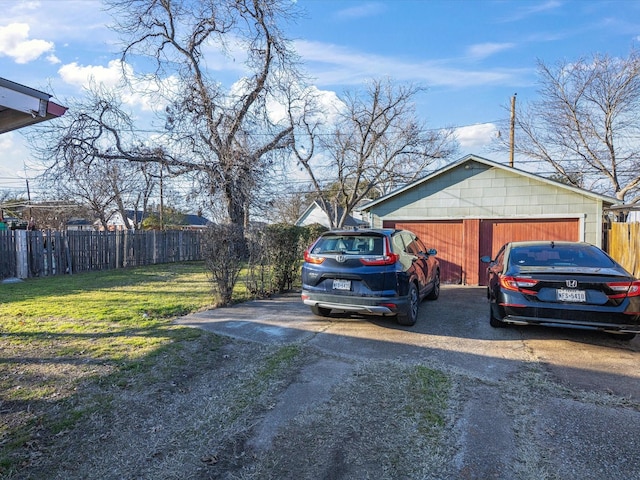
59	332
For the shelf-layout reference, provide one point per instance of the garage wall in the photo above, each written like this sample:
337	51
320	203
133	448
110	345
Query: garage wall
472	209
475	190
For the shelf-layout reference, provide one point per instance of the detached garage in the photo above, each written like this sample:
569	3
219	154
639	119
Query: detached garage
474	206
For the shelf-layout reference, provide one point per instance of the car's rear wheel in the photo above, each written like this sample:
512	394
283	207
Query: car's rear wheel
493	320
435	293
408	319
320	311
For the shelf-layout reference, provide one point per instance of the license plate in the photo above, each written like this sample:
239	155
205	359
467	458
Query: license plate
571	295
342	284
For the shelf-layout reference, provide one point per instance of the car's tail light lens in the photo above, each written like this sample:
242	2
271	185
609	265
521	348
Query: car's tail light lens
388	258
309	258
519	284
624	289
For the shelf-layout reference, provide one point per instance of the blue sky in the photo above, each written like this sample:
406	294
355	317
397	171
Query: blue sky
471	56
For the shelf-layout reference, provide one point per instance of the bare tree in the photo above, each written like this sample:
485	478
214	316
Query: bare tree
226	134
93	155
287	206
104	187
376	145
585	124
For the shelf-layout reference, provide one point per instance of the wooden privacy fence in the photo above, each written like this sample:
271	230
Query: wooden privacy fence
25	254
624	245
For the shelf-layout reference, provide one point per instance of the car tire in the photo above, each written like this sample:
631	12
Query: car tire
320	311
493	320
435	292
409	319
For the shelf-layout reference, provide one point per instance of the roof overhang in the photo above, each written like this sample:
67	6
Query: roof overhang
22	106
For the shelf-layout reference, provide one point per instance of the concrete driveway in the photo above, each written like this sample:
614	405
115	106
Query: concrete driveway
583	415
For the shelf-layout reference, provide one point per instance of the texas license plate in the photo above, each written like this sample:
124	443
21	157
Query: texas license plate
571	295
342	284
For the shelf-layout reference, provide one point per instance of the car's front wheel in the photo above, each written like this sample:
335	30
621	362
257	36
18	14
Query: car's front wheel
409	318
320	311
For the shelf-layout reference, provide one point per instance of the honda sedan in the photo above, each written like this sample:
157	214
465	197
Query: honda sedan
562	284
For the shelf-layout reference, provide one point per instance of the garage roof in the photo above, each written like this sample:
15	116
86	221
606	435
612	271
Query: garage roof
607	200
21	106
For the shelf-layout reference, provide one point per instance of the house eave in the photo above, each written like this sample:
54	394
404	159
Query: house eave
22	106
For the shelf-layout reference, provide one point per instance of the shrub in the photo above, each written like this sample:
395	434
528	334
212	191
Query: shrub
224	252
284	254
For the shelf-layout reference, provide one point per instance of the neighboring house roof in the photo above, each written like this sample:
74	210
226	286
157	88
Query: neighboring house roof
78	221
315	214
189	219
196	220
474	158
21	106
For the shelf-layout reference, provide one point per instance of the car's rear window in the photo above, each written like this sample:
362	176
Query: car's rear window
350	244
560	255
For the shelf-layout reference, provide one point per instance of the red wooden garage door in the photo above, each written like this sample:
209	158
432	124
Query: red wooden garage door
495	233
445	237
461	243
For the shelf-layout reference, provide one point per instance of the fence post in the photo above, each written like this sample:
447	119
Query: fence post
22	254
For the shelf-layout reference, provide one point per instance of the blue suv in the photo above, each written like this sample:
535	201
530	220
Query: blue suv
373	271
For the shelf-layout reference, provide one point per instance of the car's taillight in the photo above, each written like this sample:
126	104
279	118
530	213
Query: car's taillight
519	284
388	258
624	289
312	258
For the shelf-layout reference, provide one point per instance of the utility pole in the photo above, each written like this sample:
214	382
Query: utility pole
161	201
512	130
29	200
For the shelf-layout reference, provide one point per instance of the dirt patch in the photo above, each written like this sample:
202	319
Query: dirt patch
222	408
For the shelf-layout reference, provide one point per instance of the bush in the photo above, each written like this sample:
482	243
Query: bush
310	233
224	252
272	255
284	254
259	279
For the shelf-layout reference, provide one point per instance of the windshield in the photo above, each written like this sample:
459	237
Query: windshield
349	244
560	256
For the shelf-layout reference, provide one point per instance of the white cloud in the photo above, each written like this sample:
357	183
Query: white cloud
13	155
145	95
15	43
527	10
484	50
333	65
362	10
474	137
326	101
83	76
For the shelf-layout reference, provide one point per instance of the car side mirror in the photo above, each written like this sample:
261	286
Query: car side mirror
432	251
486	259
